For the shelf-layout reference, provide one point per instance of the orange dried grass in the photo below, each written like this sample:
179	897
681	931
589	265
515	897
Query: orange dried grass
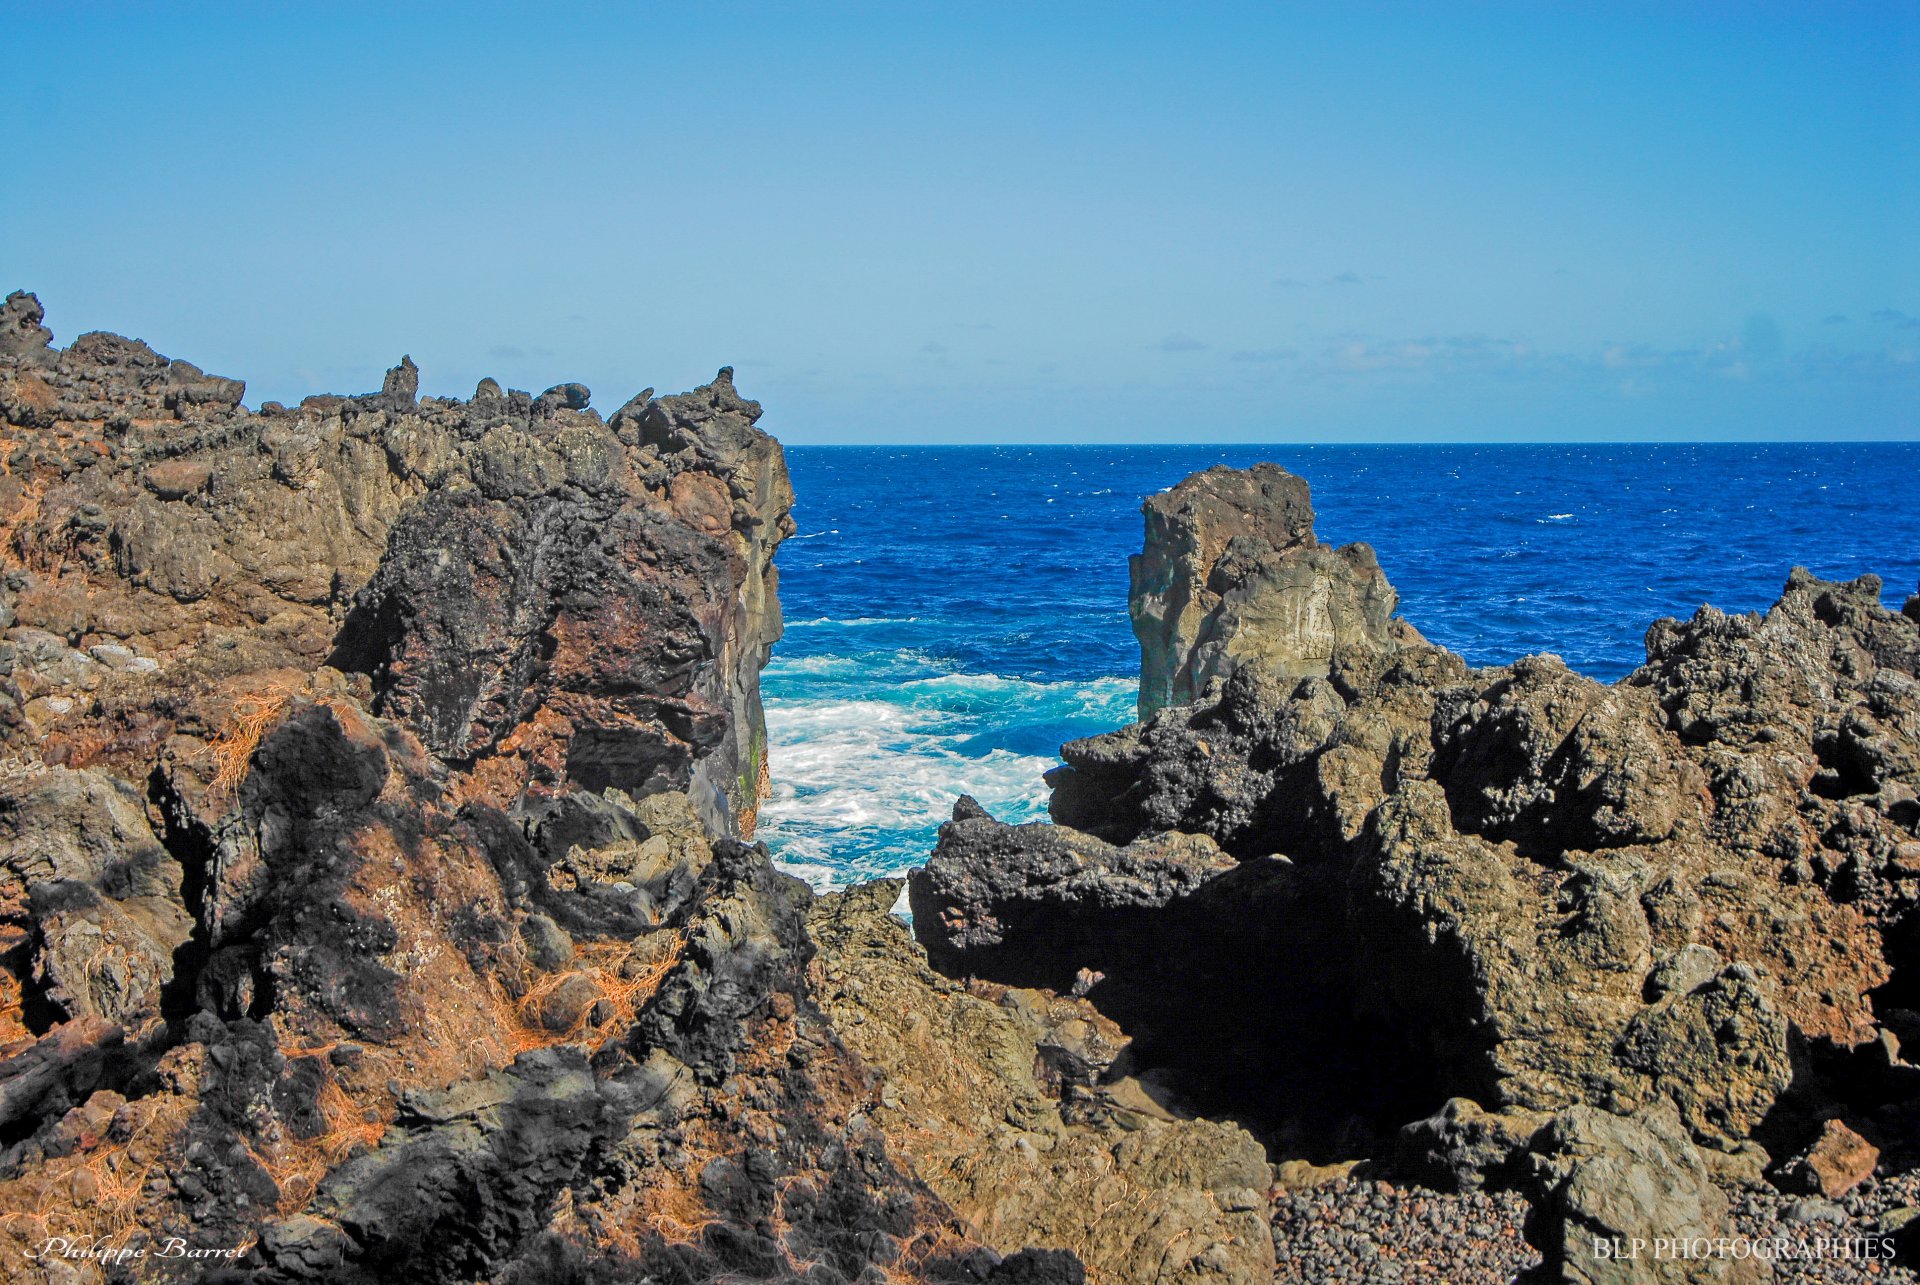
300	1163
250	717
232	749
97	1193
601	962
675	1209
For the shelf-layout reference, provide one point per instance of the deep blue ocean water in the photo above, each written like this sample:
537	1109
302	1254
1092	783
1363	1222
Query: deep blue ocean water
955	613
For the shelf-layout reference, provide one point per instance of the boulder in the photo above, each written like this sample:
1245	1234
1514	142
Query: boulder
79	859
1231	572
1621	1200
1834	1163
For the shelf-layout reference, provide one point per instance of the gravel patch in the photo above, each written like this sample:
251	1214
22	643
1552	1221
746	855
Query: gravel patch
1861	1213
1368	1230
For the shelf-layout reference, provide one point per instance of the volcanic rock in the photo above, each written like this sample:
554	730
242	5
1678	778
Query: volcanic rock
1018	1108
1838	1161
531	594
1231	573
372	901
1514	891
21	333
83	865
1608	1181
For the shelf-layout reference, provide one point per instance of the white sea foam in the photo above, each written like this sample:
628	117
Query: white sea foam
784	666
851	621
862	781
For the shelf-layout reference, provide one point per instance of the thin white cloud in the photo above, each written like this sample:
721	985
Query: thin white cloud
1180	341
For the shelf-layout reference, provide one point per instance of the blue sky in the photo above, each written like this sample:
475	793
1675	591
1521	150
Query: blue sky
1005	222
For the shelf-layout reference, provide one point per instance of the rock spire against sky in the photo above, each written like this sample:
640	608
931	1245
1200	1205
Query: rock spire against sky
965	222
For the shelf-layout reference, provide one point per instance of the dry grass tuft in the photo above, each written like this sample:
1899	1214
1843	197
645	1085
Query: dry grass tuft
604	964
233	748
100	1192
298	1164
675	1209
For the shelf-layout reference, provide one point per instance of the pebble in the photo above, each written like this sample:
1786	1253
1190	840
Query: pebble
1364	1230
1869	1210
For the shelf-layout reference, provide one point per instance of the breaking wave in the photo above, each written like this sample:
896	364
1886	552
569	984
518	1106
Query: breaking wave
870	751
934	648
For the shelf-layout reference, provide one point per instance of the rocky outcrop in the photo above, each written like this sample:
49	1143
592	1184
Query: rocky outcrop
1607	1180
373	905
546	598
376	905
722	1131
1018	1107
1232	574
101	893
1685	898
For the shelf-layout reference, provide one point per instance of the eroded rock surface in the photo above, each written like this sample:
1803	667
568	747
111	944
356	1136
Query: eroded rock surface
1231	573
1606	1180
373	905
1514	892
1016	1107
546	598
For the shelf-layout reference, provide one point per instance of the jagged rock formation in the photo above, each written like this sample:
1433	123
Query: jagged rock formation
372	906
545	598
1231	575
1337	902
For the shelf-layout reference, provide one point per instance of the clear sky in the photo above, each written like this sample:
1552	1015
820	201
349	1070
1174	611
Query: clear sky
1012	222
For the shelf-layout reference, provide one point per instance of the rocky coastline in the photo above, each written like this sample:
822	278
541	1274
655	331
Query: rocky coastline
1639	954
378	898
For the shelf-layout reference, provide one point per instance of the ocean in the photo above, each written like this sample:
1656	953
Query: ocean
955	613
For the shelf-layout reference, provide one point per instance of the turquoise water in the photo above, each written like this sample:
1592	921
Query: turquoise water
955	613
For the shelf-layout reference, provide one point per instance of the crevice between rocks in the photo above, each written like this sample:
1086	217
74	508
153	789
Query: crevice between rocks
190	843
38	1013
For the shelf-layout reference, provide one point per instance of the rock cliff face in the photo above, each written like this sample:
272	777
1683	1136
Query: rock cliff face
544	598
373	904
1231	575
1507	926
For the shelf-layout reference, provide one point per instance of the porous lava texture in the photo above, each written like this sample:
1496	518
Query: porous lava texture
1625	948
375	903
378	900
